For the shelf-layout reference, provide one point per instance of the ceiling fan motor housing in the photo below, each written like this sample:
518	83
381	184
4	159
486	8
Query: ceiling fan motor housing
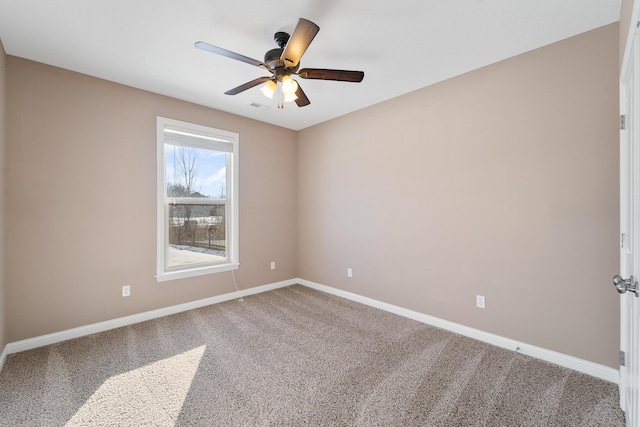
272	57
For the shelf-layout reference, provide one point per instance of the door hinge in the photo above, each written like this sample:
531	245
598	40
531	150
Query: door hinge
622	358
622	240
623	122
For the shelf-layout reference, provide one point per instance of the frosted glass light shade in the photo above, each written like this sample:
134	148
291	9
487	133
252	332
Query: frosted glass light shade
268	89
289	86
288	97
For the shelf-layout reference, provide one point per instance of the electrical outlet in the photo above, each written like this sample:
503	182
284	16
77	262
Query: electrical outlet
273	265
479	301
349	272
126	290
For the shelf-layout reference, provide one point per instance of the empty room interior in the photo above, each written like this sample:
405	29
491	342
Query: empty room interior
451	202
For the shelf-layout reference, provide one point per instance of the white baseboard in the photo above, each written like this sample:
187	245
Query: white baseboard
580	365
81	331
596	370
3	356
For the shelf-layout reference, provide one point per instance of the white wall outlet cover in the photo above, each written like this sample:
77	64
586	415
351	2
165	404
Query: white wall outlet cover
126	290
349	272
480	302
273	265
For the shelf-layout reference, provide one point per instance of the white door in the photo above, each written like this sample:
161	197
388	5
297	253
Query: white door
626	282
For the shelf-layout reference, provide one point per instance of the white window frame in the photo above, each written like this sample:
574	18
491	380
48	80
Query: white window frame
231	212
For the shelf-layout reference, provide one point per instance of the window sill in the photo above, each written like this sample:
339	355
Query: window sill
192	272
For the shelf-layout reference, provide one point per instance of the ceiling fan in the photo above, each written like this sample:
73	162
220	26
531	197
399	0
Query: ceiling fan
283	63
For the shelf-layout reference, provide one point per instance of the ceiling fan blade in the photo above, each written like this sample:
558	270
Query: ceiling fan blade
302	99
299	42
338	75
248	85
224	52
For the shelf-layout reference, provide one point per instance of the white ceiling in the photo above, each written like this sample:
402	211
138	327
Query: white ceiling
401	45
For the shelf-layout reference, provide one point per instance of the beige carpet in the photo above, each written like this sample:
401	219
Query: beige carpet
292	357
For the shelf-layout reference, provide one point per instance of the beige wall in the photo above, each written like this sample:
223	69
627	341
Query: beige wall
502	182
81	201
3	325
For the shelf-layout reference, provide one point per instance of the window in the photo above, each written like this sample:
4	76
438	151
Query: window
197	200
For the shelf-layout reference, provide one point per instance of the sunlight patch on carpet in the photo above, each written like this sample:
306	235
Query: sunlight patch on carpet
150	395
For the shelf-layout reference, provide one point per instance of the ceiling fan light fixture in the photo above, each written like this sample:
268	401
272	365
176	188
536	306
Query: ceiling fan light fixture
282	96
268	89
